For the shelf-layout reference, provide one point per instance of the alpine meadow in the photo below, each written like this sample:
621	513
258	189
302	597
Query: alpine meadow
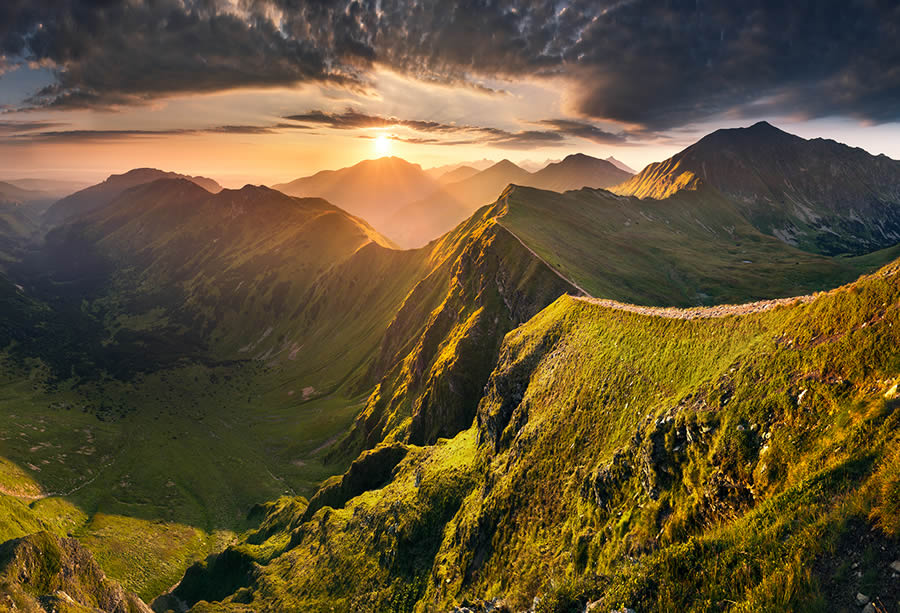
449	306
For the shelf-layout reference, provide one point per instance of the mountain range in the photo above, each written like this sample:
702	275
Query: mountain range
96	196
411	207
818	195
676	394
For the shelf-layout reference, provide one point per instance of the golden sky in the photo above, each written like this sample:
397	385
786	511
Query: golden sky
270	90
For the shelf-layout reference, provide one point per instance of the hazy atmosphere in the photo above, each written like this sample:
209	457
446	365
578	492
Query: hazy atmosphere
266	90
426	306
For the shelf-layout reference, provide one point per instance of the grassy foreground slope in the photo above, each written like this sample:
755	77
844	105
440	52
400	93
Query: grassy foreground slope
739	463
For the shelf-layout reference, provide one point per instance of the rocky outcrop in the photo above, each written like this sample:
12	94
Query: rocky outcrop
42	572
367	472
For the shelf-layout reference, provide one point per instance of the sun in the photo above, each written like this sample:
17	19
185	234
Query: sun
382	144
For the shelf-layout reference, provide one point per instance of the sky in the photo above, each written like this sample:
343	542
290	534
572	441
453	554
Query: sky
264	91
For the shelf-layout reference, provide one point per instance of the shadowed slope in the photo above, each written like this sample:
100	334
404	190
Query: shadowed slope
818	195
98	196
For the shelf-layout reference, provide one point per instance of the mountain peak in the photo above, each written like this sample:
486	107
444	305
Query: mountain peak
621	165
389	161
504	164
763	125
761	129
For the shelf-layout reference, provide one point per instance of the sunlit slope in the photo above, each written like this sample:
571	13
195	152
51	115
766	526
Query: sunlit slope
515	257
442	343
818	195
693	247
428	218
42	572
626	459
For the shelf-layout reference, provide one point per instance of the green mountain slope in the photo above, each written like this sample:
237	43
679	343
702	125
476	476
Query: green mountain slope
741	462
178	356
18	226
42	572
818	195
515	257
693	247
174	357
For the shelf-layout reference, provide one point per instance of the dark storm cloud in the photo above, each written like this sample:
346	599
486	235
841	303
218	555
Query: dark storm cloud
110	52
16	127
18	132
584	130
649	64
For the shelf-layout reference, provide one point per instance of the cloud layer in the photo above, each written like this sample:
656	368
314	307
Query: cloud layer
648	64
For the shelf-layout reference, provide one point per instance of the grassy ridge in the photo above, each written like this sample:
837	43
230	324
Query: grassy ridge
222	364
659	463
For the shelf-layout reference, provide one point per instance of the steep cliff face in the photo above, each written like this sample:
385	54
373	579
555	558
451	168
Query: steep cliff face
442	345
660	462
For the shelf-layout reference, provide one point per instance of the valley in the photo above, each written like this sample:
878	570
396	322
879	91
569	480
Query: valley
565	396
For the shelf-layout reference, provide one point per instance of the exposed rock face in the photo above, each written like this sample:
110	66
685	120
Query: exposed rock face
818	195
42	572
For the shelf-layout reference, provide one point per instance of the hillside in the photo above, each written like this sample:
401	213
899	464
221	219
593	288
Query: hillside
53	187
18	226
614	454
577	171
176	358
817	195
13	194
373	189
163	336
100	195
691	248
458	174
42	572
621	165
530	247
421	221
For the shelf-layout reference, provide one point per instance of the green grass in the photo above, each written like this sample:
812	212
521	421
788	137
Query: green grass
147	557
156	406
196	458
656	463
692	248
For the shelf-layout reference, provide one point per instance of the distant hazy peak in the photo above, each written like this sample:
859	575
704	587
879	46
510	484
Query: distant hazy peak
504	164
621	165
145	175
